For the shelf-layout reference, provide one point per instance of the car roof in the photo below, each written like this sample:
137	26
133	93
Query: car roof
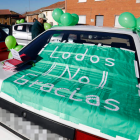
94	28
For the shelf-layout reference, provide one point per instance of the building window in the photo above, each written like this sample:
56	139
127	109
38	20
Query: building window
117	22
82	0
99	20
137	1
82	19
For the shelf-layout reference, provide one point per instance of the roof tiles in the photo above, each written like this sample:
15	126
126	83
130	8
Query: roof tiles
5	12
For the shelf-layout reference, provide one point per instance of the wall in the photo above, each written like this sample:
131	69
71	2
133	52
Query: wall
4	20
108	8
30	18
48	14
13	21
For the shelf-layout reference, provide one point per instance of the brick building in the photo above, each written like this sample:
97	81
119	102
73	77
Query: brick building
32	15
8	17
47	11
5	16
25	15
15	16
102	12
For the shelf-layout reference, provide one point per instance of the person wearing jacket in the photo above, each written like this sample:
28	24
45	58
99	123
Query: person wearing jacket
38	26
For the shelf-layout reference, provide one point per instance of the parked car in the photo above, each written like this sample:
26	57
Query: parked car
5	30
22	33
80	88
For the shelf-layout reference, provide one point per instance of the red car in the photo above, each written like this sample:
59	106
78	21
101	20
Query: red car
5	30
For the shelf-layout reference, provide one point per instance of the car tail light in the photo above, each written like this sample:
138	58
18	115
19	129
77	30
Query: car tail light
3	46
80	135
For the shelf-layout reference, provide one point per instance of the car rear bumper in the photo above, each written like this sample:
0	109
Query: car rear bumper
7	133
58	128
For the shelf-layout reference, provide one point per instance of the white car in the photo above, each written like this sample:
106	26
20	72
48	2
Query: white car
22	33
80	88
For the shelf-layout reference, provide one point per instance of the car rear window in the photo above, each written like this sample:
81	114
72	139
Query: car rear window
106	40
82	37
98	38
21	28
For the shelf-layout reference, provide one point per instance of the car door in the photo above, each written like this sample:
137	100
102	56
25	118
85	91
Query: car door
29	37
20	33
5	30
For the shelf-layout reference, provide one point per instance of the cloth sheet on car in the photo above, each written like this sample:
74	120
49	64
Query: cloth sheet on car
85	84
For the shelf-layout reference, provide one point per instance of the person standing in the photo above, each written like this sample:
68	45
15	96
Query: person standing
38	26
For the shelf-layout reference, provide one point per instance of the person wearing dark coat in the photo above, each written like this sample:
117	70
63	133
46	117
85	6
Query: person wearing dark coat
38	26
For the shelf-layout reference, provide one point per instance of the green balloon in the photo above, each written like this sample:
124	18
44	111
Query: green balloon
57	13
17	21
10	55
18	48
47	26
127	20
60	24
75	19
138	24
10	42
55	26
22	21
66	19
56	35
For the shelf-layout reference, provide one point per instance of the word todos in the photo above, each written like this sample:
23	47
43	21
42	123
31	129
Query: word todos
80	57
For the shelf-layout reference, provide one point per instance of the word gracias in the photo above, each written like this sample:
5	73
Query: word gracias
47	87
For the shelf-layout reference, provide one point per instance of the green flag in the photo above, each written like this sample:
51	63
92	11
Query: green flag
84	84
